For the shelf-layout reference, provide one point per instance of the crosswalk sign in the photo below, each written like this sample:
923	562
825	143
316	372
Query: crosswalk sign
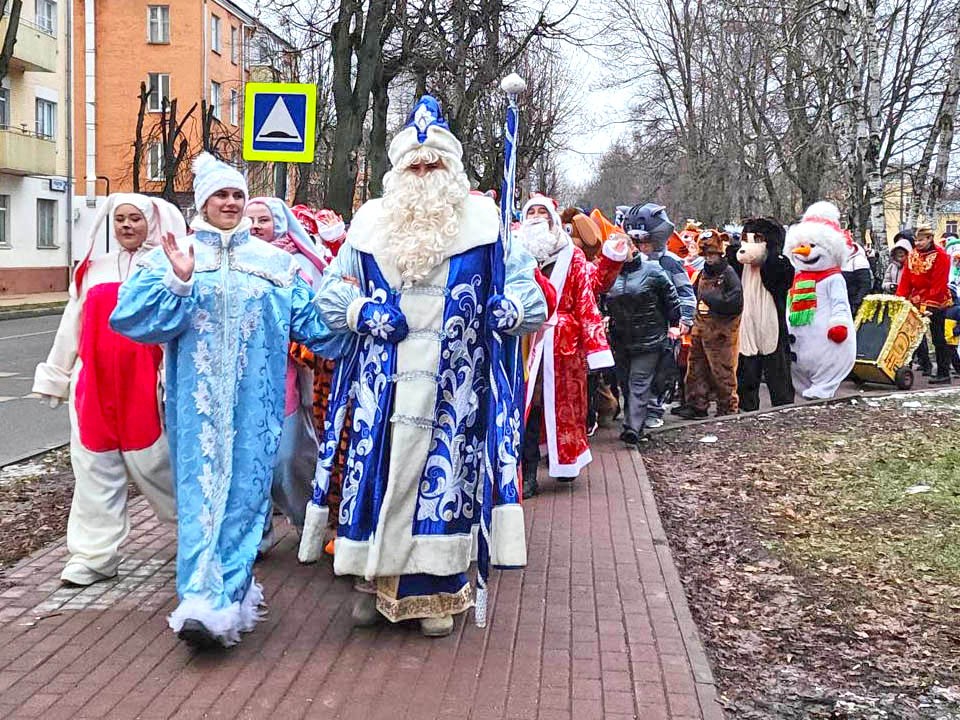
279	120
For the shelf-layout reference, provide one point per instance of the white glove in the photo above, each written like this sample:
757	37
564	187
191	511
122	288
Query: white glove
53	401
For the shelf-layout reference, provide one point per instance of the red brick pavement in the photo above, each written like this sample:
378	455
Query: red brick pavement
595	627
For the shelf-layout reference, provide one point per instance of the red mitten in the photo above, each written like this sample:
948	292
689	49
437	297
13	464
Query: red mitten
838	333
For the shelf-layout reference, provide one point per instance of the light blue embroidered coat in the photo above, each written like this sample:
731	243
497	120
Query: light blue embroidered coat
227	331
413	471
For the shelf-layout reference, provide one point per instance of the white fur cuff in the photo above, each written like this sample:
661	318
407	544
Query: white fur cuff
314	526
520	314
353	312
611	254
508	542
601	359
51	380
176	285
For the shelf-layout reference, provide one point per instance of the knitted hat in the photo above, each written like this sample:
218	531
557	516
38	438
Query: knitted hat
952	245
425	128
820	224
211	175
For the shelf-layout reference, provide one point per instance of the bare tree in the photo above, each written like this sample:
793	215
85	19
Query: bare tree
10	37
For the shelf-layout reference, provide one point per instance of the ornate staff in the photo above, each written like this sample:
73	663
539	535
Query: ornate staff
506	371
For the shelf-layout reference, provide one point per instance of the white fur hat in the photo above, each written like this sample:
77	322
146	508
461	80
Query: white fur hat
425	127
820	225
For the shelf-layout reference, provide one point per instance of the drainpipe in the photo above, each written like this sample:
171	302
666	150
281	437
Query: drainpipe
90	57
69	129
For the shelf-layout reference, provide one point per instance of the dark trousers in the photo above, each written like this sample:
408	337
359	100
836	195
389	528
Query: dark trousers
942	351
772	369
531	437
636	373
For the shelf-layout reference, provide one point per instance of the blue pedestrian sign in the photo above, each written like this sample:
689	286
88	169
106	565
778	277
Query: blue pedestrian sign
279	122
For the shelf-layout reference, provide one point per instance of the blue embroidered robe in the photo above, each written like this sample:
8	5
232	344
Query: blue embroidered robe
227	332
409	502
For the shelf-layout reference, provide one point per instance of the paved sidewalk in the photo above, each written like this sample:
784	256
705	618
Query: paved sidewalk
595	627
50	298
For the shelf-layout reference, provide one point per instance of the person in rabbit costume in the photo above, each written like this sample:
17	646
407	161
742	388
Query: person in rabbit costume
112	384
819	320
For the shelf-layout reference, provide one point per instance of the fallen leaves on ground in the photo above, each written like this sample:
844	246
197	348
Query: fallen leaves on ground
822	587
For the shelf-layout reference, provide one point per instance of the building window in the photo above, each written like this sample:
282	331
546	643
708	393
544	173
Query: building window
155	162
158	24
158	86
46	224
234	45
4	215
215	99
4	107
215	40
952	226
46	119
46	11
234	107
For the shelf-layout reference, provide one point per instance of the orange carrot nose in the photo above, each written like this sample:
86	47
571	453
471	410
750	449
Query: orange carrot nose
802	250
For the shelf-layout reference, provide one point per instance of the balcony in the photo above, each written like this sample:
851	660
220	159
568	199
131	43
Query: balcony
23	153
35	50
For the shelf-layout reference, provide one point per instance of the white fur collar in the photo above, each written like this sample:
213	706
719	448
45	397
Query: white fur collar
479	225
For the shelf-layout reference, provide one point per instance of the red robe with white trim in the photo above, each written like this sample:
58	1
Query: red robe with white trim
570	342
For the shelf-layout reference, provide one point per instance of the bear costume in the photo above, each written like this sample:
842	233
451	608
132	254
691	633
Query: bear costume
766	276
818	312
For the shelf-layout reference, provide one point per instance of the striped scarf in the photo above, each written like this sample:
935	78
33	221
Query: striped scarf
802	299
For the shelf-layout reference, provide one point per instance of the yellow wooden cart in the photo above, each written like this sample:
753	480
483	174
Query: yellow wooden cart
889	330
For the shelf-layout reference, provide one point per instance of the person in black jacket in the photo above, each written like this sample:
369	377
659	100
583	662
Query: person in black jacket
712	366
642	304
766	276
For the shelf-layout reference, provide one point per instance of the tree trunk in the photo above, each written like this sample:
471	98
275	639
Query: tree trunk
302	194
871	159
138	137
280	180
377	152
10	39
945	127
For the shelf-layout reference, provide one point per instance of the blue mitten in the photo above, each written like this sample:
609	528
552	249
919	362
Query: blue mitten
502	314
382	320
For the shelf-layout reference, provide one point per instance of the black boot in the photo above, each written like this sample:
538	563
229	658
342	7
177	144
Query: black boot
689	413
529	480
196	635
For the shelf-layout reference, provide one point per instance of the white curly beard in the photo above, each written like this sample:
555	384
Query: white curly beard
422	214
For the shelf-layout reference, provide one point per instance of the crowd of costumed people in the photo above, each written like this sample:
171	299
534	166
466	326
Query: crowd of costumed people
267	360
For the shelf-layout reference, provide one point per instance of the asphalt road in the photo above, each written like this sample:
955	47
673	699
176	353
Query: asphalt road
27	426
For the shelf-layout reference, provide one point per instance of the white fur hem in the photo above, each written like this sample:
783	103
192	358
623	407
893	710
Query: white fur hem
314	526
600	359
508	542
353	312
227	623
573	469
436	555
176	285
611	254
519	308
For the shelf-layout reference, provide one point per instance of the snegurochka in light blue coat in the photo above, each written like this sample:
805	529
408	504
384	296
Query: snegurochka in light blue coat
226	305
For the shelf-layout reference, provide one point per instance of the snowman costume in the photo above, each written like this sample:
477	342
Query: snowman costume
819	320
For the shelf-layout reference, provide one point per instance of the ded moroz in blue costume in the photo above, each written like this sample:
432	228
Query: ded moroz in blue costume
421	325
227	328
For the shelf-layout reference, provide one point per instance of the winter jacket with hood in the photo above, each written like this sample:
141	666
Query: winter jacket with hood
891	278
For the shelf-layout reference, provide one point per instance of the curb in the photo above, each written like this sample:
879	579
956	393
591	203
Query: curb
704	680
861	395
33	455
21	312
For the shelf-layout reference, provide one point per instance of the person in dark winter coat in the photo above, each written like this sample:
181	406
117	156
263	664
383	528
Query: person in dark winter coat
643	305
652	223
712	367
766	276
857	274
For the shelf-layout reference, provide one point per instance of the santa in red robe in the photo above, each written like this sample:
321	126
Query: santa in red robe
571	343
